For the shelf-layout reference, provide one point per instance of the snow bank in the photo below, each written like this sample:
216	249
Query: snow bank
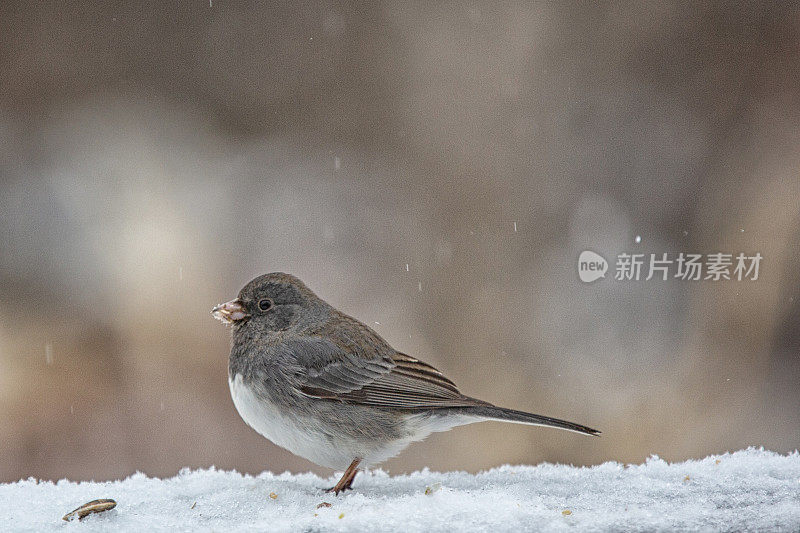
747	490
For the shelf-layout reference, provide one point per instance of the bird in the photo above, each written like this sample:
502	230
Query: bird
328	388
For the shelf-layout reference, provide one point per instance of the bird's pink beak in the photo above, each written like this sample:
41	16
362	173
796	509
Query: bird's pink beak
230	312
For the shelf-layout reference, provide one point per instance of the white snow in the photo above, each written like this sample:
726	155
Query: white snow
748	490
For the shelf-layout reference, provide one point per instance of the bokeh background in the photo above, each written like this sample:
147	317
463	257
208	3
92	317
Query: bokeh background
433	170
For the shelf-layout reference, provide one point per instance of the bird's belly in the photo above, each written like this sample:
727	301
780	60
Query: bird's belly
301	436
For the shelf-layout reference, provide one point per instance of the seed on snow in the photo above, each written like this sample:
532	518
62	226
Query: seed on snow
94	506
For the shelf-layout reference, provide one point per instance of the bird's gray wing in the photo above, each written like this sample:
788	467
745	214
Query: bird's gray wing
372	374
337	367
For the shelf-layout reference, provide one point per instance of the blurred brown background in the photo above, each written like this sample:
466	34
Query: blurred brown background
156	156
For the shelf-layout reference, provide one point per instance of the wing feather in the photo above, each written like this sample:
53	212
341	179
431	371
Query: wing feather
373	374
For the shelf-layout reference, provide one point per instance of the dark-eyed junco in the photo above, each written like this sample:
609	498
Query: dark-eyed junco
328	388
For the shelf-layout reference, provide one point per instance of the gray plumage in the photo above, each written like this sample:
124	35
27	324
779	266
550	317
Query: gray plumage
328	388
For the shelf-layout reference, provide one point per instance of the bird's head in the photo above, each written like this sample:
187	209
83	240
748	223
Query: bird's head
271	303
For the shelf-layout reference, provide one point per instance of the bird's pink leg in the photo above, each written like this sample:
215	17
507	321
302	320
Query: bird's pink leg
347	478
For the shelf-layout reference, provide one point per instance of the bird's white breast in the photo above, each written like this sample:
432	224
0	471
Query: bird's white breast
300	436
310	437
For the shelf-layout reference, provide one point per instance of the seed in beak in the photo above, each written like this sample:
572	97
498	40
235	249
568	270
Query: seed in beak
230	312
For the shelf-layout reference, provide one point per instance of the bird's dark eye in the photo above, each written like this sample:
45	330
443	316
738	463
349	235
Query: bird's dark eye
265	304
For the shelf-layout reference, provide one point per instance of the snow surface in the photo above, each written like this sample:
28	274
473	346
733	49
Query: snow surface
748	490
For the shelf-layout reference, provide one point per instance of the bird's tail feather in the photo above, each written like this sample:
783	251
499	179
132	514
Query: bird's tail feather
490	412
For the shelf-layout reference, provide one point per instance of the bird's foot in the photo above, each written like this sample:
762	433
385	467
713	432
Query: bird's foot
336	489
346	483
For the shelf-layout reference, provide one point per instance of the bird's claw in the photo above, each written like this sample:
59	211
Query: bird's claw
336	490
